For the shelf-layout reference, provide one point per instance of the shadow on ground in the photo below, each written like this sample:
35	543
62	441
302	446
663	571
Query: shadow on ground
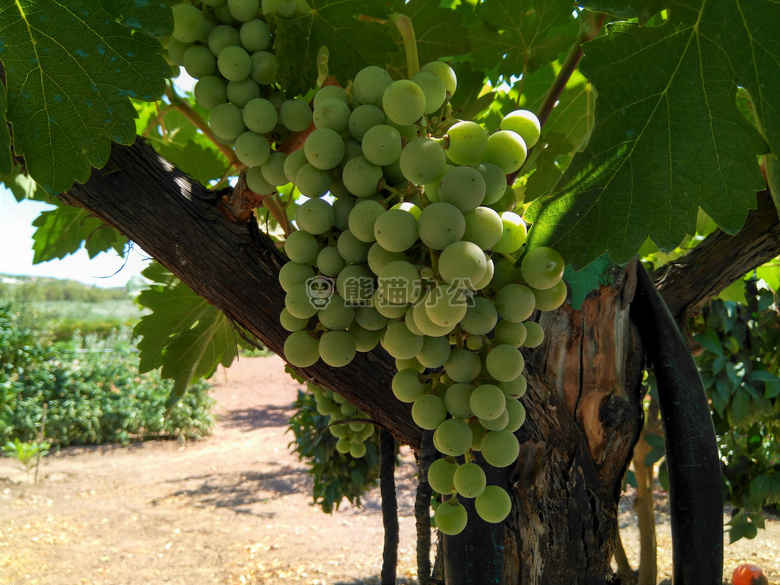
247	419
375	580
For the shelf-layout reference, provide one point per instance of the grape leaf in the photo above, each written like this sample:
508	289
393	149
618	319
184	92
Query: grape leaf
62	230
639	9
352	43
6	160
521	36
665	143
591	277
546	172
70	70
22	186
153	17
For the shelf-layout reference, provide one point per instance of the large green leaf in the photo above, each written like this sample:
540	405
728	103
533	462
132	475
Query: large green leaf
63	230
352	43
70	71
667	140
6	161
521	36
153	17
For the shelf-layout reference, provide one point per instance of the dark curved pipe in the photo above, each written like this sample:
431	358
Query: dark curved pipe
389	506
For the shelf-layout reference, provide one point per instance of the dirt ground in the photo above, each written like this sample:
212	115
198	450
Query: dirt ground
230	509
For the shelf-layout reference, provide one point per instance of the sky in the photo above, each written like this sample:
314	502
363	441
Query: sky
107	269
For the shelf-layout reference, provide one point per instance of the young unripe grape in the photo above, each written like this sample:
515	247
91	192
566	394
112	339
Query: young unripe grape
469	480
365	340
337	315
343	445
357	450
506	150
291	323
222	36
505	273
399	282
210	92
443	72
477	432
495	182
283	8
342	207
535	334
364	118
515	302
199	62
329	262
400	342
428	411
468	142
298	303
516	412
500	448
493	505
176	50
315	216
440	225
496	424
337	348
487	401
292	164
302	247
463	187
351	284
293	273
542	267
260	116
243	10
422	161
382	144
513	233
360	176
252	149
242	92
328	92
433	89
295	115
440	476
370	84
514	389
453	437
332	113
257	183
394	311
483	227
435	350
481	284
223	14
504	362
446	305
403	101
189	23
463	365
396	230
255	36
424	323
311	181
378	257
462	264
474	342
410	364
324	148
263	67
525	123
301	349
480	318
457	397
226	121
234	63
510	332
407	386
451	518
551	298
273	169
351	249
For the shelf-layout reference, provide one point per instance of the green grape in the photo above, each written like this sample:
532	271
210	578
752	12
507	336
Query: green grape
371	319
370	84
399	282
435	350
424	323
468	142
506	150
301	247
337	348
404	102
378	257
351	249
462	264
463	365
340	432
226	121
210	92
508	201
361	177
382	144
293	273
273	169
342	207
243	10
428	411
176	51
496	424
480	318
489	268
505	273
513	234
504	362
315	216
477	432
454	437
443	72
329	261
483	227
291	323
252	149
298	303
234	63
510	332
352	149
223	14
514	389
440	474
400	342
292	164
433	88
365	340
440	225
362	219
355	285
422	161
189	23
343	445
311	181
446	305
337	315
393	310
332	113
295	115
222	36
260	116
474	342
551	298
516	412
525	123
493	505
500	448
301	349
456	399
257	183
357	450
407	386
495	182
542	267
363	118
242	92
535	334
410	364
451	517
324	148
255	36
487	401
515	302
357	426
409	207
328	92
199	62
263	68
469	480
396	230
463	187
283	8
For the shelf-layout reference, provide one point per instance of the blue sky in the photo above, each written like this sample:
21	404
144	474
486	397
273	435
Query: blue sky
16	254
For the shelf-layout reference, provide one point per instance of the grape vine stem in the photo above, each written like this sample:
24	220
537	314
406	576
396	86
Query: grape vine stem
404	25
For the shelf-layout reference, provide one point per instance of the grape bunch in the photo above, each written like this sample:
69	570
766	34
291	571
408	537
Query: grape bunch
227	46
418	253
351	434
